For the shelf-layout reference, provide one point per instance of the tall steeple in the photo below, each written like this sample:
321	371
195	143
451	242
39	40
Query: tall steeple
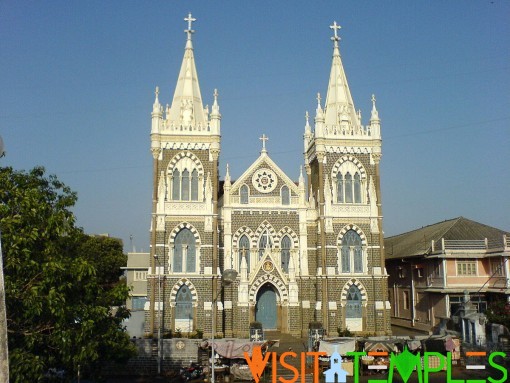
187	109
339	107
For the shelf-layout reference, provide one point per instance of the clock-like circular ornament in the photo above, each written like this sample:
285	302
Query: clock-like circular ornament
180	345
268	266
264	180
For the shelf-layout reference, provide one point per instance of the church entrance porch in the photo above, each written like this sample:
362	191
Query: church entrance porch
266	311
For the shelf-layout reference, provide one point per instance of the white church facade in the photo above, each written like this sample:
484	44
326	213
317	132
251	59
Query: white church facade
305	251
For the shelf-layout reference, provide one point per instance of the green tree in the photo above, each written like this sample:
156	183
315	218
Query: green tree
62	286
498	313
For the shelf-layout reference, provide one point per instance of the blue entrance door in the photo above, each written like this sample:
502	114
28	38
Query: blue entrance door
265	310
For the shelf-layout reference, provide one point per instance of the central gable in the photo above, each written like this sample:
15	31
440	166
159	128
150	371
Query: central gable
264	180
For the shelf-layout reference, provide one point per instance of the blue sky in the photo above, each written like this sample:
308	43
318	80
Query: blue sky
77	85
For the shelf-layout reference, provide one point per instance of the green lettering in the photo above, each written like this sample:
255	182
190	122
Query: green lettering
356	355
496	366
449	370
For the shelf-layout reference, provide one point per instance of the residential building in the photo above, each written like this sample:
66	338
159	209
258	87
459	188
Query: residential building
136	272
431	270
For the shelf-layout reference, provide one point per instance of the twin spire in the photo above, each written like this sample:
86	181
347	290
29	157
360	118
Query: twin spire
339	117
187	113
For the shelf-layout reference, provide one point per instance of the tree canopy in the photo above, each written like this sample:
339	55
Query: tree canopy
64	297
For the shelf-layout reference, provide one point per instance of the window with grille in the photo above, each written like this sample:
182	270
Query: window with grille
466	267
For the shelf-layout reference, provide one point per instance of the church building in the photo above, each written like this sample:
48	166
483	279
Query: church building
303	251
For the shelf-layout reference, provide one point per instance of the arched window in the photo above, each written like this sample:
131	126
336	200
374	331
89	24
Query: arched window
285	195
184	304
244	194
176	185
187	178
185	185
357	188
348	188
339	188
244	249
353	306
194	185
264	241
184	252
352	253
285	254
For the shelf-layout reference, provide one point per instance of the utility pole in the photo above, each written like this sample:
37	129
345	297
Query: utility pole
4	351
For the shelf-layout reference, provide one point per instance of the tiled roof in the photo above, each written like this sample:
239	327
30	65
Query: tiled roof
419	242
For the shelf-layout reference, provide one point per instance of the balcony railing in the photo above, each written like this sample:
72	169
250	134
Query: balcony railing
478	244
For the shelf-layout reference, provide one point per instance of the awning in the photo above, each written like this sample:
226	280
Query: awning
340	345
234	348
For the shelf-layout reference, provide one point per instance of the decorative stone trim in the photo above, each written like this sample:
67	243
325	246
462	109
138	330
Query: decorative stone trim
359	285
181	226
275	281
189	155
346	229
348	158
288	231
239	233
262	227
178	285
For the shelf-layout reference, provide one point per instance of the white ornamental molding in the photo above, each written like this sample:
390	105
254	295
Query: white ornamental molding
348	149
264	180
350	210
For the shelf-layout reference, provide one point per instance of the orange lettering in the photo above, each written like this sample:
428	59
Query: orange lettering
315	355
257	363
288	367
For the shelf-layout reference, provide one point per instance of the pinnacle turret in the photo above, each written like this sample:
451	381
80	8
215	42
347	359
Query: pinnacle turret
375	121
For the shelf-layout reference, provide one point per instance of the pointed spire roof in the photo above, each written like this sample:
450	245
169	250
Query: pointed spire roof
339	104
187	107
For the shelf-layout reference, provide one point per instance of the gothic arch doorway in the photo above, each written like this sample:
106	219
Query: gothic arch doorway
266	308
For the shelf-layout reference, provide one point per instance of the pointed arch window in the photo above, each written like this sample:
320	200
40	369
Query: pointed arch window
176	185
184	304
244	250
352	253
185	185
357	188
184	252
340	188
187	178
348	188
244	194
194	185
353	306
285	254
285	195
264	241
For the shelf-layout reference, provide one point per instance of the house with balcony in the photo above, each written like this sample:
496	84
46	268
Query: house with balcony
432	269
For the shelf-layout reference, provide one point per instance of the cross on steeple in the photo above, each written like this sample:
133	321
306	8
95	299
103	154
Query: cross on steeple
190	20
335	28
264	138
